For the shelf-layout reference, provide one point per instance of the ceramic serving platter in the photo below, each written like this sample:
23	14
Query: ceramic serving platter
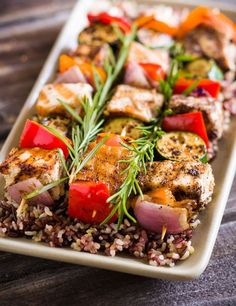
223	166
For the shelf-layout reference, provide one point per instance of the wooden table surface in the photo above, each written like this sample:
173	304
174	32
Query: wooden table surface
28	30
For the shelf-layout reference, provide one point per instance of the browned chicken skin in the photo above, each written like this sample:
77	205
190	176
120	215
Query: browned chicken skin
187	180
22	164
206	41
105	167
142	104
48	104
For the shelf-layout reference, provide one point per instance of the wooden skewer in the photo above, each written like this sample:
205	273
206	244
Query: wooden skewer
163	233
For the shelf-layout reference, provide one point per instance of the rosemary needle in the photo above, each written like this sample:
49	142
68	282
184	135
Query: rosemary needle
141	151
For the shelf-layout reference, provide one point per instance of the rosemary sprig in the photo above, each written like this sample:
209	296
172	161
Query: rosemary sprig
45	188
141	151
81	162
89	126
63	161
166	86
93	107
191	87
178	53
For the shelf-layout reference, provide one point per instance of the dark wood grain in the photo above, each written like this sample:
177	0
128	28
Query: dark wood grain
28	29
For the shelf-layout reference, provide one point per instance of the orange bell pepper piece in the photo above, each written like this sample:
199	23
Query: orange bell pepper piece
149	22
207	16
162	196
161	27
141	21
66	62
87	70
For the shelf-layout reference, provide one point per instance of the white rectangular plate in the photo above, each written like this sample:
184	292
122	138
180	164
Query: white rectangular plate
224	169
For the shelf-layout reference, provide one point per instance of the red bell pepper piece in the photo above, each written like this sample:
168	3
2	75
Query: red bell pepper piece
153	71
35	135
212	87
88	202
112	141
105	18
189	122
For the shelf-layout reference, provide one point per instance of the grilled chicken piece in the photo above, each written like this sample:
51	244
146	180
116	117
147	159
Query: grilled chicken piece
187	180
153	39
142	104
105	167
141	54
211	109
135	75
98	34
209	42
48	104
23	164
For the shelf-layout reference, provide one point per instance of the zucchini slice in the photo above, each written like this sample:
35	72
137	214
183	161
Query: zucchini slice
203	68
124	126
199	68
98	34
182	146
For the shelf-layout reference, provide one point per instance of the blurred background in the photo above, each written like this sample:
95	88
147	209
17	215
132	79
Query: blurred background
28	29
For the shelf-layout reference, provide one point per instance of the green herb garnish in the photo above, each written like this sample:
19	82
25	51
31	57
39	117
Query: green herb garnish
166	86
141	151
86	129
191	87
45	188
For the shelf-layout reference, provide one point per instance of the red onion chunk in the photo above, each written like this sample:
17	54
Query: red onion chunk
102	55
154	216
72	75
18	190
135	76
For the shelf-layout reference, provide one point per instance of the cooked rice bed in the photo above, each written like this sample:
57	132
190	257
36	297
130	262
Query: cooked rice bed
56	229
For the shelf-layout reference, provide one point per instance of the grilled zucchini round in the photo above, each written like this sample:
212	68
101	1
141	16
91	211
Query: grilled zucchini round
182	146
203	68
199	68
98	34
124	126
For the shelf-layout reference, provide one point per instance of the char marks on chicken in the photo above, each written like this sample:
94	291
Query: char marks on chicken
23	164
209	42
105	167
142	104
48	104
187	180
